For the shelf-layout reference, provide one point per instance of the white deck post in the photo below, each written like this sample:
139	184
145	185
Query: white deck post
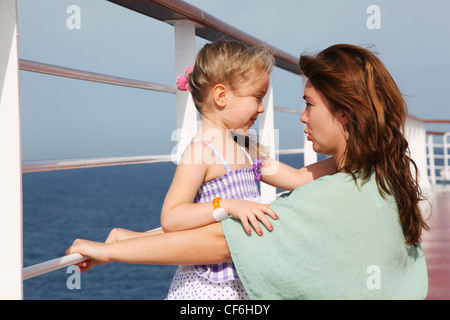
431	160
415	134
267	137
185	53
309	155
446	173
10	159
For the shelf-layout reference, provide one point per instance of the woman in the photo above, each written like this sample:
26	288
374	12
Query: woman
354	234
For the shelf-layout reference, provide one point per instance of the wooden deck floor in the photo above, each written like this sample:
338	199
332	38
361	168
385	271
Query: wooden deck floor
436	246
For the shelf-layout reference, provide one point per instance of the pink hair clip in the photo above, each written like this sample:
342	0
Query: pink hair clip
183	81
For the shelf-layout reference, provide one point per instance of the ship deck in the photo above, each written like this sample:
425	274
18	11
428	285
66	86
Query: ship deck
436	246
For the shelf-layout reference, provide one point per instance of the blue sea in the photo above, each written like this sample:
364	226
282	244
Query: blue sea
61	206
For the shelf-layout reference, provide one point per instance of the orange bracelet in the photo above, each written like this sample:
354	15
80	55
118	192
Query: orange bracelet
216	203
219	213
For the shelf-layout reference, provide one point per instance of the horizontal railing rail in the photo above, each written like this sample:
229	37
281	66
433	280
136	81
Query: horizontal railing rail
437	121
290	151
287	110
54	70
55	264
51	265
209	27
436	133
53	165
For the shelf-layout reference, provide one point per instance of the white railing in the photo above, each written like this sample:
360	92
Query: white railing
10	160
53	165
50	69
415	133
439	164
51	265
11	273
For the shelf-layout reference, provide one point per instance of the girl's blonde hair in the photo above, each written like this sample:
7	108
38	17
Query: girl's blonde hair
228	62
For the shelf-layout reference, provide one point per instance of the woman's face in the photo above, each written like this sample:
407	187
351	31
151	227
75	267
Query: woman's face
324	127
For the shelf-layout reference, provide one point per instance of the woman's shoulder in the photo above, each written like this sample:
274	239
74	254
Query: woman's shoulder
333	182
336	189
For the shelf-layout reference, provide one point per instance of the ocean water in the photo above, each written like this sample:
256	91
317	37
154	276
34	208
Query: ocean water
61	206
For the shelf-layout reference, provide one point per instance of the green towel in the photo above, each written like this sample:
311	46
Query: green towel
332	240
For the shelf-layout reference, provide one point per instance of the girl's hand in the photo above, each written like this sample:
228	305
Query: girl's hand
249	211
119	234
94	251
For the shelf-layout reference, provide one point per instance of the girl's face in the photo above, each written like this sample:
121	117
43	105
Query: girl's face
244	105
324	127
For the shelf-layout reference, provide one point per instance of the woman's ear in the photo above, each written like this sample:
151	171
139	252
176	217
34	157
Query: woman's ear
220	95
344	122
343	119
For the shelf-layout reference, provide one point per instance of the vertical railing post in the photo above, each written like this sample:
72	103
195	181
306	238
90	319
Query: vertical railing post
446	145
431	160
415	134
10	159
185	52
267	137
309	155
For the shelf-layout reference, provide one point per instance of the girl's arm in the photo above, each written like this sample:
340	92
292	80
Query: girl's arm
285	177
275	173
120	234
179	213
205	245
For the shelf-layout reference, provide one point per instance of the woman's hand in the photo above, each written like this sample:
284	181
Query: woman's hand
249	212
95	252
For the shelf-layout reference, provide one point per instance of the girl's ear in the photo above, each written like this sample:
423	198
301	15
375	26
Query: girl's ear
220	95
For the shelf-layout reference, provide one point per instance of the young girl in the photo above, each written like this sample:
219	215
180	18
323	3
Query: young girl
216	177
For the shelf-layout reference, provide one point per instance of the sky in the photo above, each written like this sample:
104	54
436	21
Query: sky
66	118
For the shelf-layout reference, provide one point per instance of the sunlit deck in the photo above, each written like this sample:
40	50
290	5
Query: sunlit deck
436	245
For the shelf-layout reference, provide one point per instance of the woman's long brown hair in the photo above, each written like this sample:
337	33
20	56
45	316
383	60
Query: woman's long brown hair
357	83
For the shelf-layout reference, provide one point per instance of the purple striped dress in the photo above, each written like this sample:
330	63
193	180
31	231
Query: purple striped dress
218	281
